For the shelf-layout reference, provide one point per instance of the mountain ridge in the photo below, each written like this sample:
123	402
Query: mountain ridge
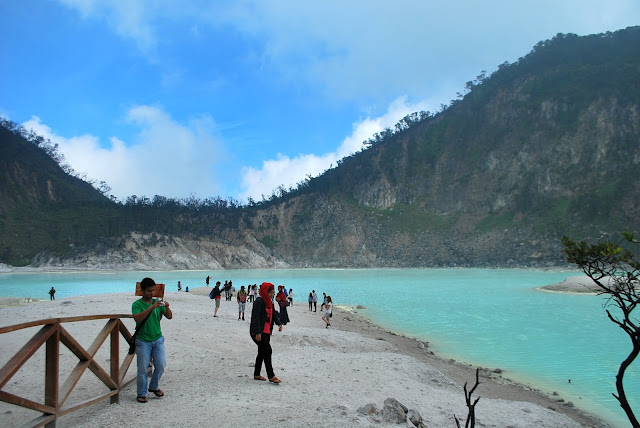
544	147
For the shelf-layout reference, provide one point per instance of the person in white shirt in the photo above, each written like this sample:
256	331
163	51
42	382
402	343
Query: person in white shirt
328	311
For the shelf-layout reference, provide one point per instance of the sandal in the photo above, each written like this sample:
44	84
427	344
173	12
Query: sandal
274	380
142	399
157	392
259	378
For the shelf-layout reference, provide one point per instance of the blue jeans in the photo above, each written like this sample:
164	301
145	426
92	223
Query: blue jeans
145	351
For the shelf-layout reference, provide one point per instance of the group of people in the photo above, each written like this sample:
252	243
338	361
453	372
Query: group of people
327	306
149	345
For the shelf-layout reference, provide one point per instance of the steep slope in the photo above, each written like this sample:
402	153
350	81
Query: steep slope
547	146
42	208
544	147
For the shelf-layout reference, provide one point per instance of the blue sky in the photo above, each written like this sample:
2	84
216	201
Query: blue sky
234	98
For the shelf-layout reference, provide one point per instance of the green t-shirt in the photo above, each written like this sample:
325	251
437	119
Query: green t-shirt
150	331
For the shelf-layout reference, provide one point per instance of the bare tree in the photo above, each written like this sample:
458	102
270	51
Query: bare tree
614	270
471	416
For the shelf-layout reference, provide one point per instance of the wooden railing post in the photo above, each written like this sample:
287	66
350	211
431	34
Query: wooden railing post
115	360
52	369
51	335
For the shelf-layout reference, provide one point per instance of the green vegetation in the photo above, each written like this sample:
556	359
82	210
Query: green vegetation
548	144
269	241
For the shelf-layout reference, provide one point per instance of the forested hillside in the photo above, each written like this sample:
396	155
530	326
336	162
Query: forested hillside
547	146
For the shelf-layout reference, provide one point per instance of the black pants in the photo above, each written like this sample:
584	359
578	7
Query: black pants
310	306
264	354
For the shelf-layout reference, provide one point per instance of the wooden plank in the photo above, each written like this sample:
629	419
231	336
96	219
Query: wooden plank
21	357
10	328
86	360
114	359
85	403
158	292
124	331
125	366
24	402
52	369
40	421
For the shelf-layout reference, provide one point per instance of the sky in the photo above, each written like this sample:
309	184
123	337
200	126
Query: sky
232	99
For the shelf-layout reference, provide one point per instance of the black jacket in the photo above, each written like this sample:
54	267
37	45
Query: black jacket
259	317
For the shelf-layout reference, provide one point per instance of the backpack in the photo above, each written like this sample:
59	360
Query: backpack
211	294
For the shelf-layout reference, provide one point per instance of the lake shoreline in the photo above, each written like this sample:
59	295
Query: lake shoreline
494	384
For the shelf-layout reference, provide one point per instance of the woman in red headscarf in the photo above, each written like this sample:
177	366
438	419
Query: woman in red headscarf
263	316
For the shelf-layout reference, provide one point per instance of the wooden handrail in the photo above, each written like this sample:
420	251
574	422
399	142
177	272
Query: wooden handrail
52	334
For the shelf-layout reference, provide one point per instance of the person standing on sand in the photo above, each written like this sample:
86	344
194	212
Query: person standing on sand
263	316
216	295
290	296
310	302
52	294
252	292
281	299
207	280
149	340
315	301
241	297
179	286
324	301
328	312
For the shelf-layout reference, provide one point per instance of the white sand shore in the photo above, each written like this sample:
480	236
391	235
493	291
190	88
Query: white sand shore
328	374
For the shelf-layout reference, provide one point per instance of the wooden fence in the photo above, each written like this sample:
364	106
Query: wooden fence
52	334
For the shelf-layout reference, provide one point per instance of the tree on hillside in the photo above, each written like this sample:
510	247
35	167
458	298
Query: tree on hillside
615	271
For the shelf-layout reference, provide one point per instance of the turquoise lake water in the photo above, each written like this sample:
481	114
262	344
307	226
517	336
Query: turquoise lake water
488	317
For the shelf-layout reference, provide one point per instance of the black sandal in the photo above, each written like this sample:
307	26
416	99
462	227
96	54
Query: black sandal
142	399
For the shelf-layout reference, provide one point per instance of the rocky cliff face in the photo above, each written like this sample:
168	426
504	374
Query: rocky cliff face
542	148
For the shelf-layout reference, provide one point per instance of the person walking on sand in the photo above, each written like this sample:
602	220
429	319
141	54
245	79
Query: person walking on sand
263	316
315	301
241	297
52	294
328	312
147	313
216	295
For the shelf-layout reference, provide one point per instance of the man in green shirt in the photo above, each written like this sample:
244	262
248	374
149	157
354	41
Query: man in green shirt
149	340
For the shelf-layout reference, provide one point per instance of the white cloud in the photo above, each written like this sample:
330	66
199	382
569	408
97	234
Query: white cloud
286	171
167	158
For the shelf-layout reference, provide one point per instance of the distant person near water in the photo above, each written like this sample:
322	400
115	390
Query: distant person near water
179	286
252	292
281	299
310	302
207	280
216	295
290	296
52	294
328	312
263	316
241	297
324	301
147	313
315	301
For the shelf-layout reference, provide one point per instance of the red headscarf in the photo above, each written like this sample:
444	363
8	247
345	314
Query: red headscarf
264	293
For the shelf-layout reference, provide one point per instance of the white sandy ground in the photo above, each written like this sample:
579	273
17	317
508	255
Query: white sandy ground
328	374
